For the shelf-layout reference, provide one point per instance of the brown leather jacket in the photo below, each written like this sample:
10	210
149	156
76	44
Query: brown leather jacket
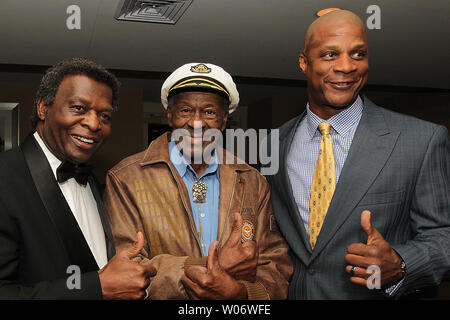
144	192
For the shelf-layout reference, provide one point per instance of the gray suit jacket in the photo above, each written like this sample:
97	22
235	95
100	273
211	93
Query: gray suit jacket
398	167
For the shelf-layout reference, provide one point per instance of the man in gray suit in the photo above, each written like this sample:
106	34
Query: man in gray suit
376	222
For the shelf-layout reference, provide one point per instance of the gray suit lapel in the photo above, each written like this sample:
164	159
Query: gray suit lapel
284	184
371	147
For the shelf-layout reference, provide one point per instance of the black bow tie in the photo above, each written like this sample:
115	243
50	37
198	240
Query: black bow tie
67	170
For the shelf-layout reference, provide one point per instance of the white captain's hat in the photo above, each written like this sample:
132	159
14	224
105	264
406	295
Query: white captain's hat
201	77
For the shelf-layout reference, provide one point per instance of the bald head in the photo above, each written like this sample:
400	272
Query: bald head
335	61
330	21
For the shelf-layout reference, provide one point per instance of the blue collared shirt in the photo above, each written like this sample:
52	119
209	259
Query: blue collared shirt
209	210
301	165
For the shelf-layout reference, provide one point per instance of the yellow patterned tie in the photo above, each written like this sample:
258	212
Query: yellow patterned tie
323	184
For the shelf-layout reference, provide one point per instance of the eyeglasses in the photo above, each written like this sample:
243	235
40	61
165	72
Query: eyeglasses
205	114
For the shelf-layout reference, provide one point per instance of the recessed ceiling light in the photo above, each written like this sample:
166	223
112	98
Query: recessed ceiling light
157	11
325	11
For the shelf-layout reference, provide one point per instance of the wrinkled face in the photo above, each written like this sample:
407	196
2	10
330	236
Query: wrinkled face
336	64
196	113
79	121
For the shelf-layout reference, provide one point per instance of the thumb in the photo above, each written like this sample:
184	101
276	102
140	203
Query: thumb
235	236
213	256
368	227
133	250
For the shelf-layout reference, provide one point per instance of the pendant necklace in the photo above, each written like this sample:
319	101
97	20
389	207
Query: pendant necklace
198	190
199	195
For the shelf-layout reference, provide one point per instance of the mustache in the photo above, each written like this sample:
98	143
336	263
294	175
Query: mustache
206	135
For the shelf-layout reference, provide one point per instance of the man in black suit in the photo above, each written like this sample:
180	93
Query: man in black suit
55	239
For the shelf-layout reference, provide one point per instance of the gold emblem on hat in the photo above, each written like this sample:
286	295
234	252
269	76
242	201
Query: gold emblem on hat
200	68
247	231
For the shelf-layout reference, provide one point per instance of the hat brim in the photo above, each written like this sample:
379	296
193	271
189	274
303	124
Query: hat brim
200	82
214	79
199	89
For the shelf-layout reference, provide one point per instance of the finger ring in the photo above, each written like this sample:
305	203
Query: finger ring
352	271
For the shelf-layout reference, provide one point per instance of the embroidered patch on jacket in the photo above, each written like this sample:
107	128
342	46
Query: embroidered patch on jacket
248	231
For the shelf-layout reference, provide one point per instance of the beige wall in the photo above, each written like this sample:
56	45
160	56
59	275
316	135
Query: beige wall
126	136
430	106
24	95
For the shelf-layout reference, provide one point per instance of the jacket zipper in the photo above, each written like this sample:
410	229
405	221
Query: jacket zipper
229	209
192	223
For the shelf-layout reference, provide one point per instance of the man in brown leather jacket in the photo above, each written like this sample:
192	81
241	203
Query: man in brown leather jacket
209	226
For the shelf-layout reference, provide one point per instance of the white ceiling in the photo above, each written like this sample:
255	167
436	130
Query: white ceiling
249	38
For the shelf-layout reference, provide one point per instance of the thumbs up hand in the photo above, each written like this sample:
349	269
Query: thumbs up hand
133	250
123	278
376	251
237	258
212	283
373	236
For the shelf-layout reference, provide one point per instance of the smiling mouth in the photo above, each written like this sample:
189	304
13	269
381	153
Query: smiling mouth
84	139
342	84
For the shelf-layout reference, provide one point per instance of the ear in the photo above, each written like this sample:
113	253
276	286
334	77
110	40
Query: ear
41	110
169	116
224	123
303	62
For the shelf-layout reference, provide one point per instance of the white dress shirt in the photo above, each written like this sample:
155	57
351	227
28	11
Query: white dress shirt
84	208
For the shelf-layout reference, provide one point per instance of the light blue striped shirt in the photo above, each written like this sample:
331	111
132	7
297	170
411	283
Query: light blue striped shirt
304	150
209	210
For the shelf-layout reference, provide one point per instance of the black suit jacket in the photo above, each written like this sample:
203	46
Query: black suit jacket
39	236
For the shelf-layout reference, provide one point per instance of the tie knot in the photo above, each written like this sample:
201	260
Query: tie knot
325	128
67	170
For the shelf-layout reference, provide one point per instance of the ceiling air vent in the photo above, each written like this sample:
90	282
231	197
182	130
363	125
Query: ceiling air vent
156	11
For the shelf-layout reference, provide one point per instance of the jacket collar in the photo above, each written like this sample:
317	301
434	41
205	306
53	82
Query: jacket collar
158	151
